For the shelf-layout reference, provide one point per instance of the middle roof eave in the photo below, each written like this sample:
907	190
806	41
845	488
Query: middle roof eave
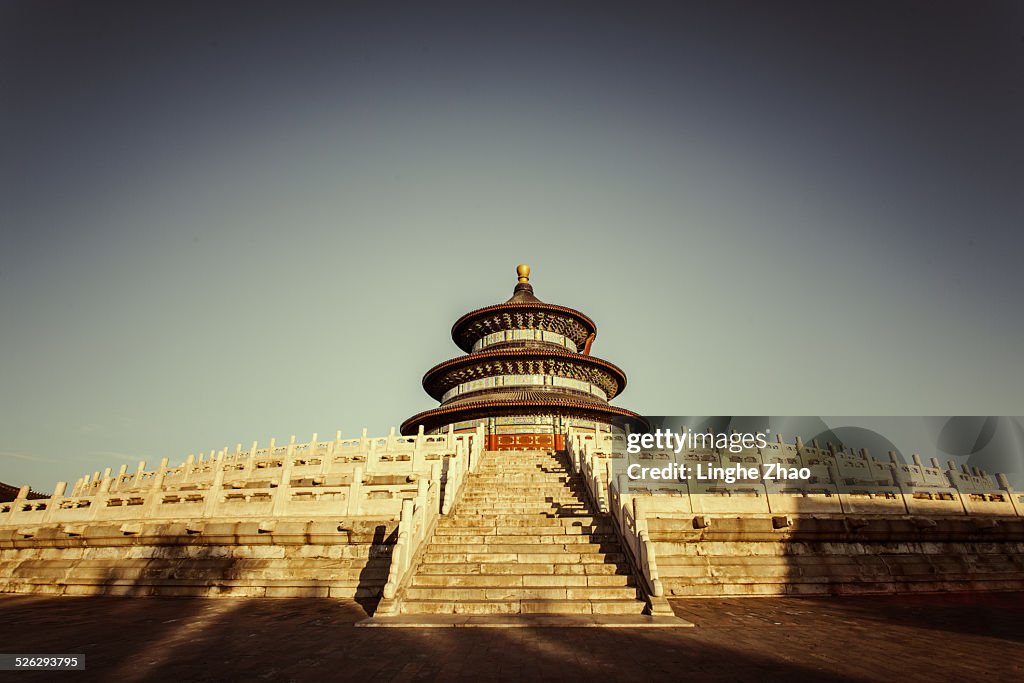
431	379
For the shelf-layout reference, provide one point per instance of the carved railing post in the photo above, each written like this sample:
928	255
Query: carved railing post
188	466
53	504
120	478
646	554
137	480
213	493
250	460
372	457
400	552
284	486
355	491
419	454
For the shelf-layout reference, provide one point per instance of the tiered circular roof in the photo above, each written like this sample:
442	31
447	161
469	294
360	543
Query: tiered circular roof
500	377
522	314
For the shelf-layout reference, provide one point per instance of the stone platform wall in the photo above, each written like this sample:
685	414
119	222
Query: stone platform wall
858	525
304	519
282	558
777	556
750	556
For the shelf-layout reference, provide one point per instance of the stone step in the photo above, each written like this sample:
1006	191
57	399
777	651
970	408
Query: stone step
537	524
478	540
525	487
523	607
539	511
540	464
520	488
522	580
486	522
528	495
491	478
498	477
540	458
520	530
538	556
574	545
534	453
552	466
517	524
549	473
480	510
579	512
531	519
526	534
553	473
523	540
527	504
524	478
523	461
531	506
525	499
524	467
523	490
538	505
520	593
522	481
501	568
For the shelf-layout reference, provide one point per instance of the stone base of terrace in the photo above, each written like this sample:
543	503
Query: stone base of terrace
859	525
337	557
316	519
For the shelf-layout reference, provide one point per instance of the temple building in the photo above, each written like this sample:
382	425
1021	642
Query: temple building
513	497
527	376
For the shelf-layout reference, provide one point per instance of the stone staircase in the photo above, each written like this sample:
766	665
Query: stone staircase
523	540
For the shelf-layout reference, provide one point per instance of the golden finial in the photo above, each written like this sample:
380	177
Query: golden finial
523	271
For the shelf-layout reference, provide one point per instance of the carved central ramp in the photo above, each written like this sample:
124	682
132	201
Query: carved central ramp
523	540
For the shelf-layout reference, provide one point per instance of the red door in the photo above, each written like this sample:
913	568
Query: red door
522	442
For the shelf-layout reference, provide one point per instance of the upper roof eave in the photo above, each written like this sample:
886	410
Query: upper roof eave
516	305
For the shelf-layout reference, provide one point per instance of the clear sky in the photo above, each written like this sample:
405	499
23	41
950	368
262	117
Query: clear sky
228	222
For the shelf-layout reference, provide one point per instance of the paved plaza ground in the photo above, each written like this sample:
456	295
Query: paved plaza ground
893	638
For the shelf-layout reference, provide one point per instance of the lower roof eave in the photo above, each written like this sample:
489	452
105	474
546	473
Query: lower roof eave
444	415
